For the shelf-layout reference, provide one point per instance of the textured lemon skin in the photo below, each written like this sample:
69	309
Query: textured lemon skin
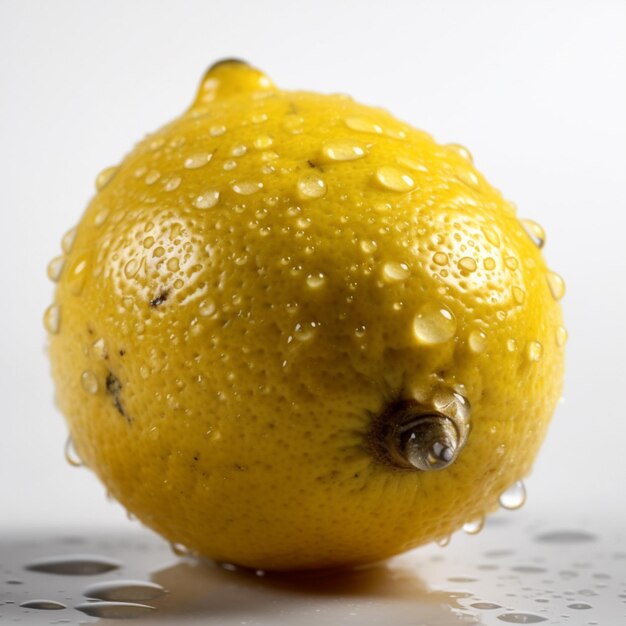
220	368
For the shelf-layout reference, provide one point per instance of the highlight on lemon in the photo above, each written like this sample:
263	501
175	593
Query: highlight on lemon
292	332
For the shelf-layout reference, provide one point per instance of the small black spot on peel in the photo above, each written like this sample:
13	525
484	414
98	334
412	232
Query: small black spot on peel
315	165
160	299
122	352
114	389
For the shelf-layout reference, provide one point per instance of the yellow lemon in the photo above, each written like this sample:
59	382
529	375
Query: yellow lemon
291	331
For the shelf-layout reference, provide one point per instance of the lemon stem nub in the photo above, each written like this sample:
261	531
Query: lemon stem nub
430	443
410	435
227	60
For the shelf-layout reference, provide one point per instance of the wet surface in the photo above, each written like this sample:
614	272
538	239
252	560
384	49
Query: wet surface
513	572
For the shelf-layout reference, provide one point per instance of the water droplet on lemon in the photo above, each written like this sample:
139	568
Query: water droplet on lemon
342	151
311	186
89	382
52	319
207	200
393	179
514	497
434	324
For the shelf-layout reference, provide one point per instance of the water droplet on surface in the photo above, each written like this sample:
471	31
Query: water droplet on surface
104	177
207	200
461	579
311	186
435	323
342	151
514	497
579	606
270	155
477	341
151	177
565	537
534	351
528	569
74	565
444	541
468	177
77	275
467	264
521	618
246	187
511	262
114	610
363	125
67	241
179	549
440	258
100	217
44	605
52	319
305	331
207	308
556	285
393	179
462	151
55	268
489	263
238	150
368	246
217	130
172	183
71	456
474	527
195	161
518	294
485	606
131	268
315	281
561	336
124	590
491	236
511	345
535	231
262	142
99	348
395	272
89	382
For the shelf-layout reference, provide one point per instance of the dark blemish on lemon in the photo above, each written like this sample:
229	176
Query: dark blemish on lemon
160	299
114	389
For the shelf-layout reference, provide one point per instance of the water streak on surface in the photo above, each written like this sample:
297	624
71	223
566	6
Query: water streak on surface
521	618
43	605
565	537
114	610
124	590
74	565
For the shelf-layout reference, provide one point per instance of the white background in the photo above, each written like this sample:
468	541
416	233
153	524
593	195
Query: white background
536	90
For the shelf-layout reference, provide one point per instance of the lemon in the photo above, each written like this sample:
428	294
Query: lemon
291	331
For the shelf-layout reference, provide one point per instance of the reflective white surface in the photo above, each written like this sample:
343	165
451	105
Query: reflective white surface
535	90
518	571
